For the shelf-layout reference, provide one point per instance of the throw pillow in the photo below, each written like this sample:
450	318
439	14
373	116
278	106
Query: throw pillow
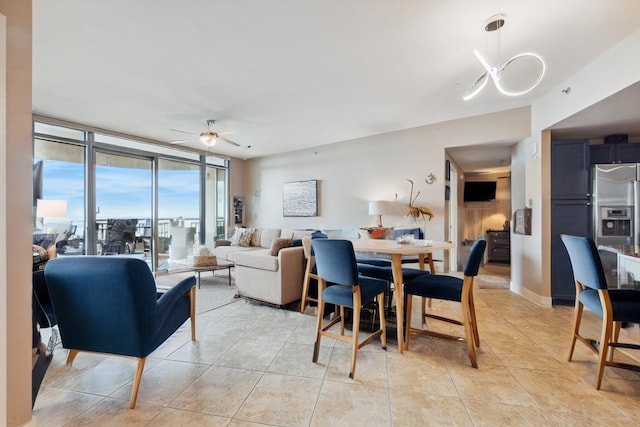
255	239
245	238
278	244
236	235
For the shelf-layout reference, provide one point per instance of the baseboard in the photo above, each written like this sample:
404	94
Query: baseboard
531	296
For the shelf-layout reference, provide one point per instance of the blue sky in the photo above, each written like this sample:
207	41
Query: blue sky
123	192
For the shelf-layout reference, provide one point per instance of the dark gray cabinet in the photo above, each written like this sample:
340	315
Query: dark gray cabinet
498	246
567	217
570	169
615	153
570	210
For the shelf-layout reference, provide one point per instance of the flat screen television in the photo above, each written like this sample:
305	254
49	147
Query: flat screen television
479	191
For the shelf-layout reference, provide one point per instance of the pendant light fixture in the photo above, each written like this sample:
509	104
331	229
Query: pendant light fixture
497	73
208	137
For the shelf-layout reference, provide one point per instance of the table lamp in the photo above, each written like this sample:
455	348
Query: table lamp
379	208
47	208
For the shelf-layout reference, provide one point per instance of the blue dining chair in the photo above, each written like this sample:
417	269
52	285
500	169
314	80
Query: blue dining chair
109	304
614	306
449	288
336	263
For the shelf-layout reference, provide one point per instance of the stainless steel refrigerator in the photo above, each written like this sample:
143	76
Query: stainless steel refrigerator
616	213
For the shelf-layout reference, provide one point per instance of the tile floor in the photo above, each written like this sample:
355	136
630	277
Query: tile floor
251	366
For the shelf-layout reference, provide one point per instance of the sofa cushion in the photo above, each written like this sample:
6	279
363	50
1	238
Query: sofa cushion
278	244
268	235
258	258
229	252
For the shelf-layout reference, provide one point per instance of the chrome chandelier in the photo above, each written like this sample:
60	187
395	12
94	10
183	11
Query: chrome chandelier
497	73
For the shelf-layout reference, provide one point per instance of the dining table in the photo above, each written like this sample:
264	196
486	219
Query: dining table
423	249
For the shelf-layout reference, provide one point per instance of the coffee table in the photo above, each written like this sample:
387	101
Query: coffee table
181	266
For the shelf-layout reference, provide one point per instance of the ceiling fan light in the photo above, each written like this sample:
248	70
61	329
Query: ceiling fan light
208	138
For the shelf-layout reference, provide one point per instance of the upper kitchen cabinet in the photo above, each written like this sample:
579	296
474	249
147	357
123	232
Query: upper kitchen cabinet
623	152
570	169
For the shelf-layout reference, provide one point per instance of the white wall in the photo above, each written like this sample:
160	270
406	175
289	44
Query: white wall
618	68
375	168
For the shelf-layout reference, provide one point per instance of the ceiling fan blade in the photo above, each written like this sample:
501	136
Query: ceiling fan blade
228	140
182	131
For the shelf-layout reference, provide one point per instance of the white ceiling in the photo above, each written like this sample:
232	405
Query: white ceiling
283	75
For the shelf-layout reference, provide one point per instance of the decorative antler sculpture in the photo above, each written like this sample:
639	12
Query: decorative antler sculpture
417	211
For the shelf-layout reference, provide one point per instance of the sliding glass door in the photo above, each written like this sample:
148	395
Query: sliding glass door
178	209
124	194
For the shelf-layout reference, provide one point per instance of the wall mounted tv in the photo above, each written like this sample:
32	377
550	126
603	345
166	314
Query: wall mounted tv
479	191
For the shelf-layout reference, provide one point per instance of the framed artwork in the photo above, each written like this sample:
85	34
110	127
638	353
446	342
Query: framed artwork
238	207
300	198
522	221
447	170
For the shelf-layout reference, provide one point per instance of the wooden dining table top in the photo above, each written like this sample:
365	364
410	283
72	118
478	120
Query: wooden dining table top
391	247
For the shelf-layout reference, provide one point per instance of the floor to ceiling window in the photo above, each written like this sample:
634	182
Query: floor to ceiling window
178	207
59	195
123	196
123	188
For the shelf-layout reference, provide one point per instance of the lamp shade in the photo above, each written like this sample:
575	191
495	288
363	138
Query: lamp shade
46	208
379	207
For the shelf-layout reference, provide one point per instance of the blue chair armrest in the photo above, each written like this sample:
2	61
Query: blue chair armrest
169	298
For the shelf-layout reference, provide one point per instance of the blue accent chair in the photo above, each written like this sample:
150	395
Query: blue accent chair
614	306
111	305
450	288
336	263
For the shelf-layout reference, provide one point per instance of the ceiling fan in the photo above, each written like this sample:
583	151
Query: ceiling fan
208	137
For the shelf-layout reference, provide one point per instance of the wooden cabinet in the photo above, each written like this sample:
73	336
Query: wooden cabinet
615	153
498	246
570	210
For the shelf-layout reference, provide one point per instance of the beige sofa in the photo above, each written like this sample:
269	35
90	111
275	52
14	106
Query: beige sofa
272	279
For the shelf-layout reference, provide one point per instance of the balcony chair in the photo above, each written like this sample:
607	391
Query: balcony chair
336	263
111	305
450	288
614	306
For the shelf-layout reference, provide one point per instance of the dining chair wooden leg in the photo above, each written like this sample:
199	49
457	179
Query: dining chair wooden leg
305	288
71	356
468	331
474	322
136	382
356	328
616	335
383	326
316	347
426	303
342	320
577	318
408	321
305	292
607	326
